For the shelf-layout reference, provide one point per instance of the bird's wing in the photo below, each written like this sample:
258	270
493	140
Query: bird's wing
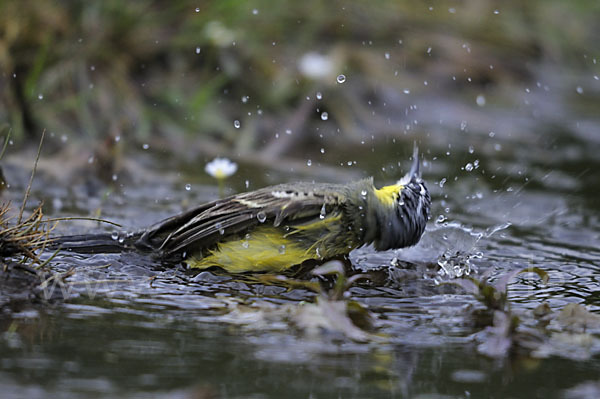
210	223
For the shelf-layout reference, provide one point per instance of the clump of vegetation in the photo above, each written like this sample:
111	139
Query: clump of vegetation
26	238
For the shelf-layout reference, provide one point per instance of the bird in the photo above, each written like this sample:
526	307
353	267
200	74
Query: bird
275	228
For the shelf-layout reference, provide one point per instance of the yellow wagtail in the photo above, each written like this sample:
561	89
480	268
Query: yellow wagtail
277	227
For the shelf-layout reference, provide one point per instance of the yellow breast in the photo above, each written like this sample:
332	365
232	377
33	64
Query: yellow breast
274	249
264	249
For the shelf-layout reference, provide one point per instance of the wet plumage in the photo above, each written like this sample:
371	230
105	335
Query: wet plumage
274	228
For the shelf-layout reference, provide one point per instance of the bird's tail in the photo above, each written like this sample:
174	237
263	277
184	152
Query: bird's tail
96	243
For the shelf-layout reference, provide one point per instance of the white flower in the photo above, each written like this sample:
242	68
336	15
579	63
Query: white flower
220	168
219	34
315	66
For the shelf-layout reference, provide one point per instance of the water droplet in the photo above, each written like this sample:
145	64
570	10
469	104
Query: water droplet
309	162
197	9
322	150
247	182
492	134
440	219
496	12
363	193
341	78
255	11
220	228
188	187
469	167
282	249
288	131
40	96
442	182
323	212
406	91
114	177
324	116
463	125
245	244
319	95
387	56
579	90
261	216
471	149
145	146
198	49
114	235
236	124
480	100
91	159
245	99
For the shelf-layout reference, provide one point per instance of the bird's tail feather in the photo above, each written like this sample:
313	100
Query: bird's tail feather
95	243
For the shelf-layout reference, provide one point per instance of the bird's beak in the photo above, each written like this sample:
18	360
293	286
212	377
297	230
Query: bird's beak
415	169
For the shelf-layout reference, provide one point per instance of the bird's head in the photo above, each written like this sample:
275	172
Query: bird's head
403	225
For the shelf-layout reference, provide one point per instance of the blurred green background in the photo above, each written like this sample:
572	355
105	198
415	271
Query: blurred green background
180	74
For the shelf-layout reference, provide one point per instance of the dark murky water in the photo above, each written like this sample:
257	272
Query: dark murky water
129	327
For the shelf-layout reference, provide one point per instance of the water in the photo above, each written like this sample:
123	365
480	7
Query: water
130	327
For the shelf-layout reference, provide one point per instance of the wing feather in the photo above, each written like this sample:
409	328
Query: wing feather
210	223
